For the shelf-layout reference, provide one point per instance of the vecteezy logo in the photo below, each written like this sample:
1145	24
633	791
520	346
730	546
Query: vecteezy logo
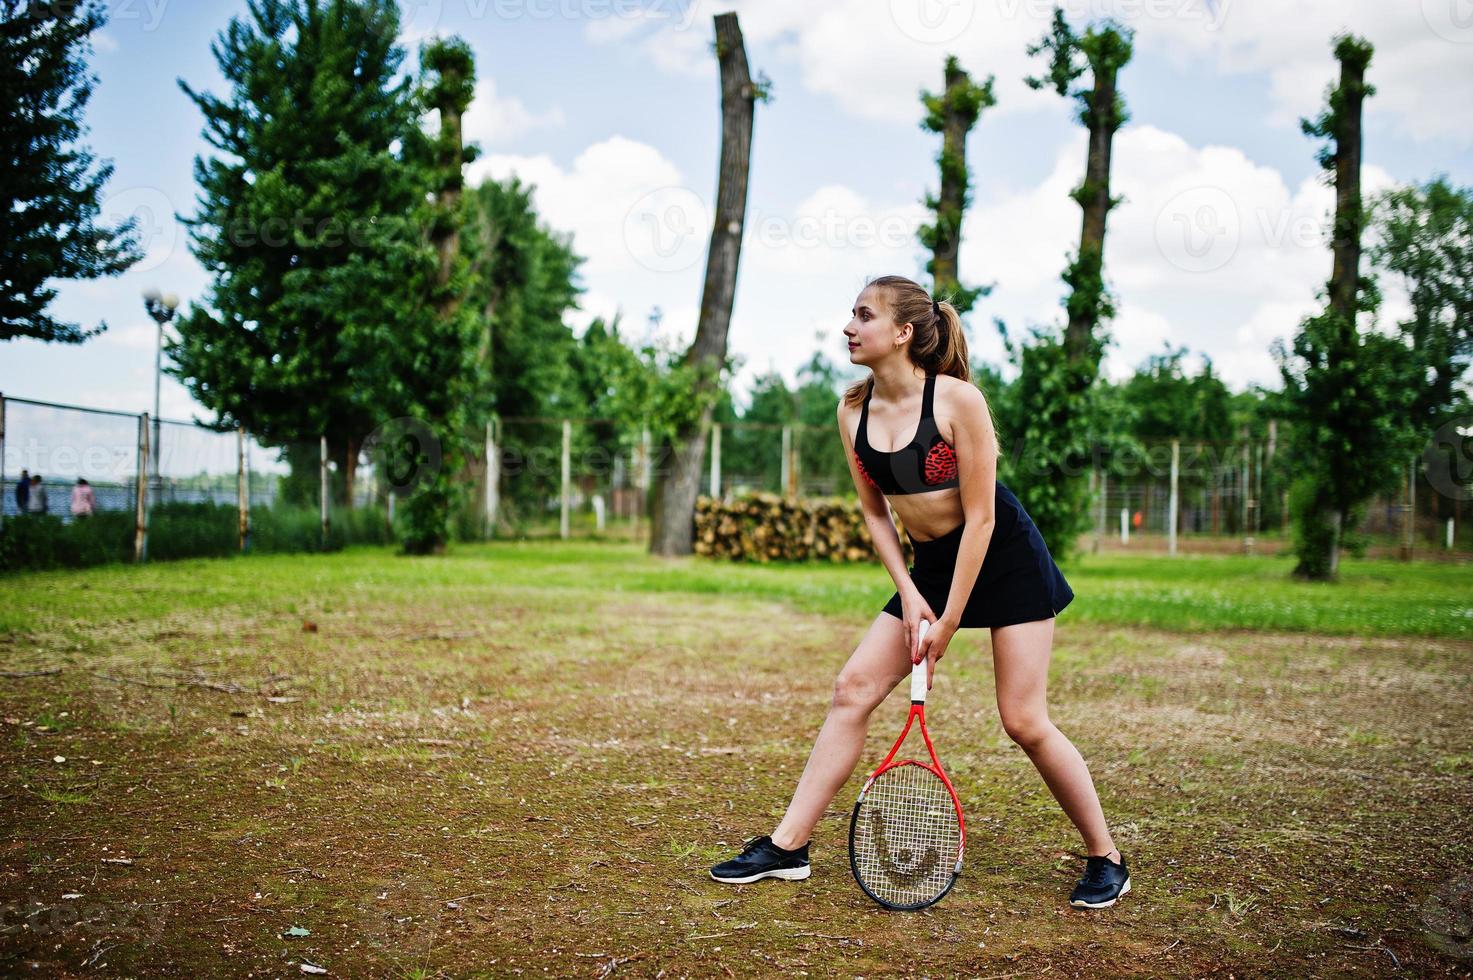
1451	20
155	224
1199	229
1447	917
401	916
666	229
1448	458
932	21
406	452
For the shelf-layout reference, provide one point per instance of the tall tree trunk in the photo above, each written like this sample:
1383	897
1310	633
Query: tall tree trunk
1093	197
1344	299
954	128
1345	271
350	469
953	114
672	530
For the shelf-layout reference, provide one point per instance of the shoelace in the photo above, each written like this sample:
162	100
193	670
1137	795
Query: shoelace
1095	870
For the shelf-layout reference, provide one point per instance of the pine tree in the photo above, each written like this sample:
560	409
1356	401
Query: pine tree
307	222
49	183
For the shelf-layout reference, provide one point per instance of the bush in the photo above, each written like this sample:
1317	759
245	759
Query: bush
180	530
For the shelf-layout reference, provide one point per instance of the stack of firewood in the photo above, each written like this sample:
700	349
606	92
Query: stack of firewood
765	527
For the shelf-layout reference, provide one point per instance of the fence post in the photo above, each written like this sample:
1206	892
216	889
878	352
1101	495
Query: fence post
242	490
1248	502
1125	525
140	514
1410	523
644	474
567	477
493	476
1100	511
795	463
1172	504
322	482
716	460
1094	479
1257	487
782	479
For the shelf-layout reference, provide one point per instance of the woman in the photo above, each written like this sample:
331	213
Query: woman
967	530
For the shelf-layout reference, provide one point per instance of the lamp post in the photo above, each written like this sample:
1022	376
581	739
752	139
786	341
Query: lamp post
162	307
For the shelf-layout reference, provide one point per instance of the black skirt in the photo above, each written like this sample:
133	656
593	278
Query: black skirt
1018	582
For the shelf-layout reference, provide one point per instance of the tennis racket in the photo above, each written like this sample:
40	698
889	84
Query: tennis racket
906	835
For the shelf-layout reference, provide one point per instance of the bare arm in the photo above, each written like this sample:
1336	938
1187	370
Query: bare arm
877	518
975	443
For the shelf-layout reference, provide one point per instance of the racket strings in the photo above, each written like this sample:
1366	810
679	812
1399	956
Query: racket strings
907	836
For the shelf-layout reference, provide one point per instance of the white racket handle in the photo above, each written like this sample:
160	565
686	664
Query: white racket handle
918	671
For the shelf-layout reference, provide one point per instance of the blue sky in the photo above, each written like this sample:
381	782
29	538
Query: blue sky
611	109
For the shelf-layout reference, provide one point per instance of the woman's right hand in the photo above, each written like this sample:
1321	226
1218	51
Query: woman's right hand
913	609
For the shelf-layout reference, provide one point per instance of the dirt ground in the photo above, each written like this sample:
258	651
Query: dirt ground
501	782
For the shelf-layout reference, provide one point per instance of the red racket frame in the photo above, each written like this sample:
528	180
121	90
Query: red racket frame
918	711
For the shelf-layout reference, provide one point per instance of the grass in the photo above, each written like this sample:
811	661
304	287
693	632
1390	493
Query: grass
521	758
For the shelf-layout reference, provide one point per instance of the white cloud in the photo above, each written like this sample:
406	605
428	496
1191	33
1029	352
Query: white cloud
1207	250
494	120
872	57
1422	67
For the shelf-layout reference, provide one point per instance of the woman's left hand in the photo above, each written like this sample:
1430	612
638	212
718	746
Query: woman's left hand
933	646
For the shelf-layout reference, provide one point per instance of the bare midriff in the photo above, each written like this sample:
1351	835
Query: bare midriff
930	515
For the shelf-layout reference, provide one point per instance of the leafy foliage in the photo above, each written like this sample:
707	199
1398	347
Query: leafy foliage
952	114
1346	392
49	189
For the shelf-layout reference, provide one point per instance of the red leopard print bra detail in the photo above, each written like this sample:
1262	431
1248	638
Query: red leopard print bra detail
926	463
940	464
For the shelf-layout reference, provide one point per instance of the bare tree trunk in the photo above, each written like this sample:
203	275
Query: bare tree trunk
956	125
672	531
1093	197
1345	272
350	469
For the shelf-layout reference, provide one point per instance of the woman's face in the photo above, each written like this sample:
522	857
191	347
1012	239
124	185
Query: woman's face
871	331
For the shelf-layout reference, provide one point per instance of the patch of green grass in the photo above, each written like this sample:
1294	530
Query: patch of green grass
1189	592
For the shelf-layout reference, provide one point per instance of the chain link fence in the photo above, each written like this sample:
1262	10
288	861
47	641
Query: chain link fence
593	477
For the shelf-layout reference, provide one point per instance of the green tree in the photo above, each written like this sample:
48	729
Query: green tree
1424	235
434	370
1167	403
1054	412
306	222
49	188
1347	392
952	114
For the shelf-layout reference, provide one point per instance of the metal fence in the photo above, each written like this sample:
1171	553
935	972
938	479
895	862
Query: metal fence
77	460
555	477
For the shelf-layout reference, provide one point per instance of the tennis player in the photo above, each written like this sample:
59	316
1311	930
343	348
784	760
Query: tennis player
919	436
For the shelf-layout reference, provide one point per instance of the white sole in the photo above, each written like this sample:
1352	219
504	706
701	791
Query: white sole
1104	905
786	874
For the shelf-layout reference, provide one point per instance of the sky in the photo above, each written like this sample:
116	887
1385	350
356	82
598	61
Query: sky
611	109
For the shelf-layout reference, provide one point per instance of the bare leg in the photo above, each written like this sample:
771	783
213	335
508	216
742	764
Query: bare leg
1020	655
871	673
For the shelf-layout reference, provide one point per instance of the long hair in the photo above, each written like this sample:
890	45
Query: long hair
937	343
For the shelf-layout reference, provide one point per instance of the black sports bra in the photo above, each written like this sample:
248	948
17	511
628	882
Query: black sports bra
926	463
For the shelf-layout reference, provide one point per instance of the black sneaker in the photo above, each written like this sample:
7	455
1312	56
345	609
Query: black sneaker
1103	883
761	858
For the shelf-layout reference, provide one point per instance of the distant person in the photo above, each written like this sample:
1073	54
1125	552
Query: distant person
23	492
36	502
84	501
